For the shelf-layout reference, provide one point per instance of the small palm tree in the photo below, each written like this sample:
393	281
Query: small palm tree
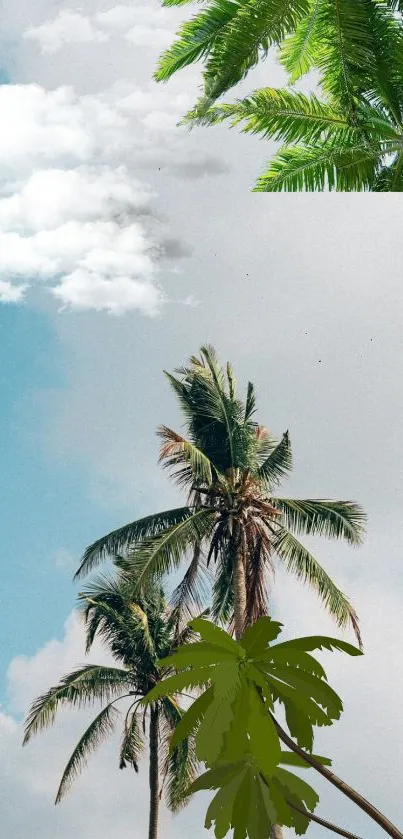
230	467
138	631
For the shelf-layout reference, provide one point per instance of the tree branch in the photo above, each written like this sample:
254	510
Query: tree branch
351	793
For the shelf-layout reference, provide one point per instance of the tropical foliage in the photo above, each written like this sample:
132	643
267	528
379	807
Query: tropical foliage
347	138
238	737
234	727
230	467
138	631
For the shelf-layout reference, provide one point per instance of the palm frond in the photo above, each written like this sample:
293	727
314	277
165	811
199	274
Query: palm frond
326	166
297	52
191	593
278	464
345	54
132	743
159	555
299	561
119	540
196	38
250	33
280	114
100	728
317	517
180	763
187	463
82	687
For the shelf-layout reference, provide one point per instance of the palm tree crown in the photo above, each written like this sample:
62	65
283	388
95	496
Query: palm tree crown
138	631
230	467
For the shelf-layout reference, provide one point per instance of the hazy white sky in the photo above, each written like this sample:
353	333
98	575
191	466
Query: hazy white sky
147	238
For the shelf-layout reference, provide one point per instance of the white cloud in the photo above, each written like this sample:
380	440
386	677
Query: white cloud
71	215
11	293
67	27
142	36
88	290
148	27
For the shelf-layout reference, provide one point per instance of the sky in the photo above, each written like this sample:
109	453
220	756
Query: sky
125	244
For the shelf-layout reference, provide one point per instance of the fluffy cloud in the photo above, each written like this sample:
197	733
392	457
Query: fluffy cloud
141	24
67	27
74	216
71	215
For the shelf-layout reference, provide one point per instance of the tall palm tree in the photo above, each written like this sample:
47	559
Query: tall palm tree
230	467
138	631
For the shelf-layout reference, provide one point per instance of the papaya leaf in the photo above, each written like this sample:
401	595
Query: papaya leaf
196	654
221	807
264	740
297	787
177	683
292	759
215	635
258	636
321	642
216	778
284	654
191	718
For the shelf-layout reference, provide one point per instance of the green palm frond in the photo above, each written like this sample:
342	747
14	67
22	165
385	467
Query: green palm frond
196	38
390	178
156	557
191	593
278	464
282	114
82	687
187	463
119	540
180	763
258	25
297	52
320	167
103	725
318	517
345	52
299	561
132	744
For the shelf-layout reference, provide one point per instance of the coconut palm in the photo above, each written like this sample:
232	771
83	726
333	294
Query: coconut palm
138	631
230	468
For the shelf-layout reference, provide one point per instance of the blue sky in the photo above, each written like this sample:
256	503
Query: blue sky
44	506
139	242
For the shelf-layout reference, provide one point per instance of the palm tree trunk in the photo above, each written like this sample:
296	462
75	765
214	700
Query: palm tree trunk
240	621
154	774
239	593
351	793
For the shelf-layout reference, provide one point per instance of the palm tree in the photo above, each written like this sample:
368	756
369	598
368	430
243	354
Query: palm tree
138	631
230	467
349	139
